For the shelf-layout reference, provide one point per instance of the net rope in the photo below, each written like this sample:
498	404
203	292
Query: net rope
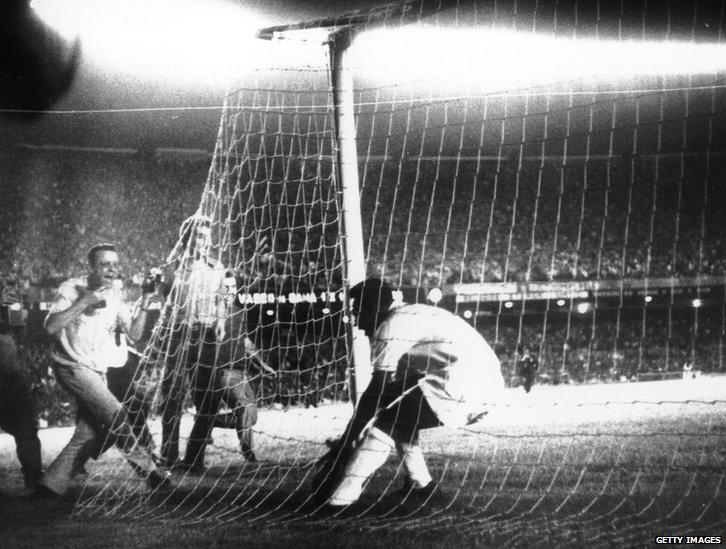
578	217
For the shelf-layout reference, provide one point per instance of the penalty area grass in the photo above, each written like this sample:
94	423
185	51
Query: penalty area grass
610	463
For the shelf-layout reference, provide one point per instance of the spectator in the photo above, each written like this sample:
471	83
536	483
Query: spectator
85	319
527	366
195	284
18	409
234	386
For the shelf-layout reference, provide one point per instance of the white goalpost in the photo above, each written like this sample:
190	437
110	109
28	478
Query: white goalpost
347	157
550	172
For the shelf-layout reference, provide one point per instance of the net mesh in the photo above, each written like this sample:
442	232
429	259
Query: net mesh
576	217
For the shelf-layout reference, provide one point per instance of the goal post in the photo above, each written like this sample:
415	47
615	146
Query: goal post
347	168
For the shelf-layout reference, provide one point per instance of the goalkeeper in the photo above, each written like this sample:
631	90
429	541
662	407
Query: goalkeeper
430	368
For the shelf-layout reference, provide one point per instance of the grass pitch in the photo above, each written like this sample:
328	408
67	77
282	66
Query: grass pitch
569	465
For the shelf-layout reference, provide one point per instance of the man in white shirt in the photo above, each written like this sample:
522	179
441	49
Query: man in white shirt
196	316
430	368
88	319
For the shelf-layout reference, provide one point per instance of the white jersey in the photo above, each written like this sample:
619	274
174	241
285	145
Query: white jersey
461	373
91	339
199	287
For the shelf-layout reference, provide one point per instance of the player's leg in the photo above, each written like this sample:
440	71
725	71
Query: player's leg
18	411
366	459
99	415
135	397
138	409
17	418
402	422
529	378
80	448
116	383
108	418
27	444
207	397
172	386
241	398
84	444
355	463
119	381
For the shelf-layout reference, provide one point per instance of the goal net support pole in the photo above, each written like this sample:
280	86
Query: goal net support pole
347	172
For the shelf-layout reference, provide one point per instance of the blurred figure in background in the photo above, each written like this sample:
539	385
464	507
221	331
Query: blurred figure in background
527	367
18	408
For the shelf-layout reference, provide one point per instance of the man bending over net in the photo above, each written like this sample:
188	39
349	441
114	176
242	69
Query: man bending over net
430	368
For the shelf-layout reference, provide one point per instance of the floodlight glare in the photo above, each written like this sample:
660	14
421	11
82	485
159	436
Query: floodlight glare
509	305
697	303
178	39
583	307
560	302
502	59
467	314
648	298
59	16
435	295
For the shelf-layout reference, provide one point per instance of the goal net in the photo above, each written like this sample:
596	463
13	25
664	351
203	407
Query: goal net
550	172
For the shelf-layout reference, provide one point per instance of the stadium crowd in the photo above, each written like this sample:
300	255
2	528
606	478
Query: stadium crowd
579	223
60	201
584	222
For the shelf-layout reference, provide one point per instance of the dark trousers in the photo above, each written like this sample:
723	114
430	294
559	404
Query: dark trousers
18	410
210	385
403	419
398	406
99	416
232	388
192	354
136	398
18	418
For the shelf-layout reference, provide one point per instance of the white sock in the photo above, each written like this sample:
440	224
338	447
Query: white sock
413	460
368	457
